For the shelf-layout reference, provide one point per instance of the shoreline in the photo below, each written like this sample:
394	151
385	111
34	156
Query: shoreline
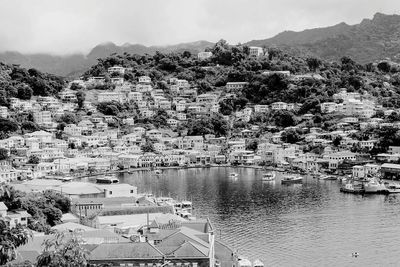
68	177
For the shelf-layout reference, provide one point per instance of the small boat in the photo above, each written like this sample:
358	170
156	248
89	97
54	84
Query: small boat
107	180
186	215
258	263
268	176
158	172
375	187
392	188
327	177
243	262
352	188
233	175
292	179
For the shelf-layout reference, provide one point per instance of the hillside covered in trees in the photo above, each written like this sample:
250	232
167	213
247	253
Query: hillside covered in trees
318	82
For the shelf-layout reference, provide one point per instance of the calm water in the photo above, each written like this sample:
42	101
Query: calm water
286	225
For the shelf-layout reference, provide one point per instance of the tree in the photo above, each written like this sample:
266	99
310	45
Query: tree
24	92
80	95
60	201
148	147
33	159
290	136
10	239
313	63
384	66
8	126
252	145
336	141
69	118
64	250
29	126
284	118
3	154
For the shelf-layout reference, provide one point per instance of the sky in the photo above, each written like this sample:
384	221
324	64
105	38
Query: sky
70	26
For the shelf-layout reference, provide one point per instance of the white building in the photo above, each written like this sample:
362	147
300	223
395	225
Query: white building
3	112
118	69
204	55
42	118
144	79
278	106
329	107
233	86
255	51
261	108
110	96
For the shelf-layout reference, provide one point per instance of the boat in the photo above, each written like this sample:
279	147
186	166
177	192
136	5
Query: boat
107	180
327	177
186	215
258	263
243	262
233	175
158	172
268	176
392	188
292	179
375	187
183	206
352	188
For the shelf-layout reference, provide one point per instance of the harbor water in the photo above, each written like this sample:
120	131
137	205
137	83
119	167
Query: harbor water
309	224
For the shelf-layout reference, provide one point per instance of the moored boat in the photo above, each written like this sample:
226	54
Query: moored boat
292	179
375	187
233	175
258	263
352	188
107	180
243	262
327	177
392	188
268	176
158	172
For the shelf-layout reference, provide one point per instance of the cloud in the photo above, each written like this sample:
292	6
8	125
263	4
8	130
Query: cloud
67	26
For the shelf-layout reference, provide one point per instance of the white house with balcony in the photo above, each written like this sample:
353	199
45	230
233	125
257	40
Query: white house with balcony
255	51
234	86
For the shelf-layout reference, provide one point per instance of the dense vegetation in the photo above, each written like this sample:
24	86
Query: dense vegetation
232	64
45	208
23	84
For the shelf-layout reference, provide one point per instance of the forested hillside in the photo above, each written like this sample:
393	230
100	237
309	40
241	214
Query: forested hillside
232	64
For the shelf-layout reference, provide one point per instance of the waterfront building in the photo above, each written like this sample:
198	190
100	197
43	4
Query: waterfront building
390	171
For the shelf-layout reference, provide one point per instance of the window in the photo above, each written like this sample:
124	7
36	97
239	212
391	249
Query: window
110	192
131	191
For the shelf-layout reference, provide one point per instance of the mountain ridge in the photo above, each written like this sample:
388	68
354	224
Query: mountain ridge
370	40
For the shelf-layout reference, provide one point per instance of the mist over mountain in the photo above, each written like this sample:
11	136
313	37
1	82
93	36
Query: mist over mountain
72	65
370	40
